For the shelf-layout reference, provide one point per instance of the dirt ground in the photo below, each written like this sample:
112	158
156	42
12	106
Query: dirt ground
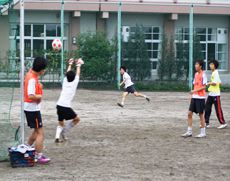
140	142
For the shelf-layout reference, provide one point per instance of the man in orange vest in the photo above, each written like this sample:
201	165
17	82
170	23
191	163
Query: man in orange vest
197	104
32	99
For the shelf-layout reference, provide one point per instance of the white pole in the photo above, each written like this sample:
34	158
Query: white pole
22	69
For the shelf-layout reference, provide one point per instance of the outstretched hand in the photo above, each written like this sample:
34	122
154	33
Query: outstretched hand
79	62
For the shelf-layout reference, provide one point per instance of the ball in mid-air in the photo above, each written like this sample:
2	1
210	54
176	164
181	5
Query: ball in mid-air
57	44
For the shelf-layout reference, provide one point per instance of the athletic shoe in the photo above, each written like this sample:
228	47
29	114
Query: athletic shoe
222	126
58	140
187	134
200	136
207	126
43	159
119	104
63	136
147	99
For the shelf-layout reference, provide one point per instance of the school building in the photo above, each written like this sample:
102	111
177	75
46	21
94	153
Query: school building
171	17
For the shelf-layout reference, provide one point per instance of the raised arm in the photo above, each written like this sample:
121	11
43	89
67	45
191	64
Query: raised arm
79	63
70	62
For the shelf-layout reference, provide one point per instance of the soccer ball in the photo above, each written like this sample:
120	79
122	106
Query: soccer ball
57	44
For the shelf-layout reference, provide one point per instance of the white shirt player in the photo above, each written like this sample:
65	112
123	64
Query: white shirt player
31	106
127	80
68	92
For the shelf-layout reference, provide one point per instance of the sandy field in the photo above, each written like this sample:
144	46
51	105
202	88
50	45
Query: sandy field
140	142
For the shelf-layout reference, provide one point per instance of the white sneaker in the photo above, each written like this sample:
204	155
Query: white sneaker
187	134
201	136
207	126
222	126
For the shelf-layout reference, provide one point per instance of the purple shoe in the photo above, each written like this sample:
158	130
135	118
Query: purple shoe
43	159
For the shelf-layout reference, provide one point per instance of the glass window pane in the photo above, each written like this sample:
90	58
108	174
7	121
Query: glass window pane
156	30
201	31
221	47
38	30
156	36
27	48
148	30
50	30
202	37
155	54
155	46
27	30
49	45
38	47
154	65
14	30
148	36
149	46
150	54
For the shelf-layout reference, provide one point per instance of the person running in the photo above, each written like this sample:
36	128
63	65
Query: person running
129	87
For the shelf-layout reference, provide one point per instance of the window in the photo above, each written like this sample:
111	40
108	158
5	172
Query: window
211	46
152	40
38	37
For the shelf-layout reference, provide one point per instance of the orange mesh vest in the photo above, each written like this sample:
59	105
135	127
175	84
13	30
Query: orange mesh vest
198	83
38	86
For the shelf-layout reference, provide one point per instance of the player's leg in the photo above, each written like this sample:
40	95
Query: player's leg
59	129
189	129
219	113
189	119
138	94
125	94
208	110
200	106
32	138
69	126
39	146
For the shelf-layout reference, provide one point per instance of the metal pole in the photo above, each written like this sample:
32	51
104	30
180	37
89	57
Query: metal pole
191	29
62	36
22	69
119	44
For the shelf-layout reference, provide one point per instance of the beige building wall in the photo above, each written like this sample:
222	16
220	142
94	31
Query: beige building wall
74	31
4	37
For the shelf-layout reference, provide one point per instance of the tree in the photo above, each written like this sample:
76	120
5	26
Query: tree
97	52
167	61
135	55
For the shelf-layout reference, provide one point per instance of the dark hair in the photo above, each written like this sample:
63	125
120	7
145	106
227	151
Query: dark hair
123	67
215	62
200	62
39	64
70	75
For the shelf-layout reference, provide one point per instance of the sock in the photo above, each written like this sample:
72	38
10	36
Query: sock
68	127
202	131
39	155
190	129
145	96
58	132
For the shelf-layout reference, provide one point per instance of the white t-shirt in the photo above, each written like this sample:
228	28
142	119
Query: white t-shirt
68	92
32	106
127	80
195	96
216	79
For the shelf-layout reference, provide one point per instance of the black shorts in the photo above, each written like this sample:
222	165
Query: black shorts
65	113
197	105
34	119
131	89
